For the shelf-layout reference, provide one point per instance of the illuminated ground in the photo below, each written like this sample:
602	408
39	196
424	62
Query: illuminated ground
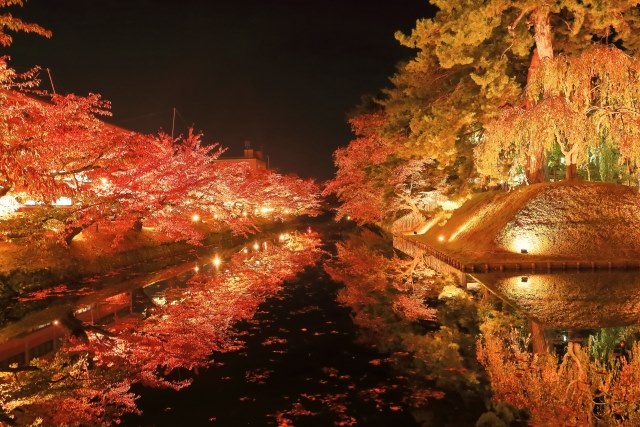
553	221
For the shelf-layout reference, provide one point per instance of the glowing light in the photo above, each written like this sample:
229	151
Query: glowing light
215	216
525	245
104	181
264	245
244	213
159	300
462	228
56	322
245	250
196	268
430	224
265	210
216	261
30	203
348	217
450	291
450	205
287	211
441	238
63	201
8	205
195	217
256	246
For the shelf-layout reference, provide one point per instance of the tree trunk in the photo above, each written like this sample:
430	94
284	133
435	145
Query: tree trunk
535	168
538	340
535	160
137	225
71	233
542	32
571	161
535	165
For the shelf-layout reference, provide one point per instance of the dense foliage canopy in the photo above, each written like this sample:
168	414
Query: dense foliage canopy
498	91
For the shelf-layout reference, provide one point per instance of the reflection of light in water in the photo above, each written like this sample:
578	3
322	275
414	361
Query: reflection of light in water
571	300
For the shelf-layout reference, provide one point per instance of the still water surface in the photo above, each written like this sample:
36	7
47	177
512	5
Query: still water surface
299	359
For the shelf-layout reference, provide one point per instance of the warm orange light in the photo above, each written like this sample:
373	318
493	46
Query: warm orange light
525	244
56	322
245	250
195	217
63	201
216	261
256	246
196	268
441	238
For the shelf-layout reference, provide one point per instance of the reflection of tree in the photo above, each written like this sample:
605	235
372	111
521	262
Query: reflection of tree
88	380
575	390
392	303
386	293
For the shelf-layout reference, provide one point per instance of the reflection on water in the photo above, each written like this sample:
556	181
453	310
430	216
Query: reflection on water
571	300
74	364
293	359
40	333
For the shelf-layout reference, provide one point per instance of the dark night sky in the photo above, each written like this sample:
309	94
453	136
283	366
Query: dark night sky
281	73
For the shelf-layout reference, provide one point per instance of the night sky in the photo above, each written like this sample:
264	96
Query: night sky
281	73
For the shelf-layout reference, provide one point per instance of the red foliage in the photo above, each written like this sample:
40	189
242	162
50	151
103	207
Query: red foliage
195	323
355	182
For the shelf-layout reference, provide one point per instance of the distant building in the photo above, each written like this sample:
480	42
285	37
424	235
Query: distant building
254	158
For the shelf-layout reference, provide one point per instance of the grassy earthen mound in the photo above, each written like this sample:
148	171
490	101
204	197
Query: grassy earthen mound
572	221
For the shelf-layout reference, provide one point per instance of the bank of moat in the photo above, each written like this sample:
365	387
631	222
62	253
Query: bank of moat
575	223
